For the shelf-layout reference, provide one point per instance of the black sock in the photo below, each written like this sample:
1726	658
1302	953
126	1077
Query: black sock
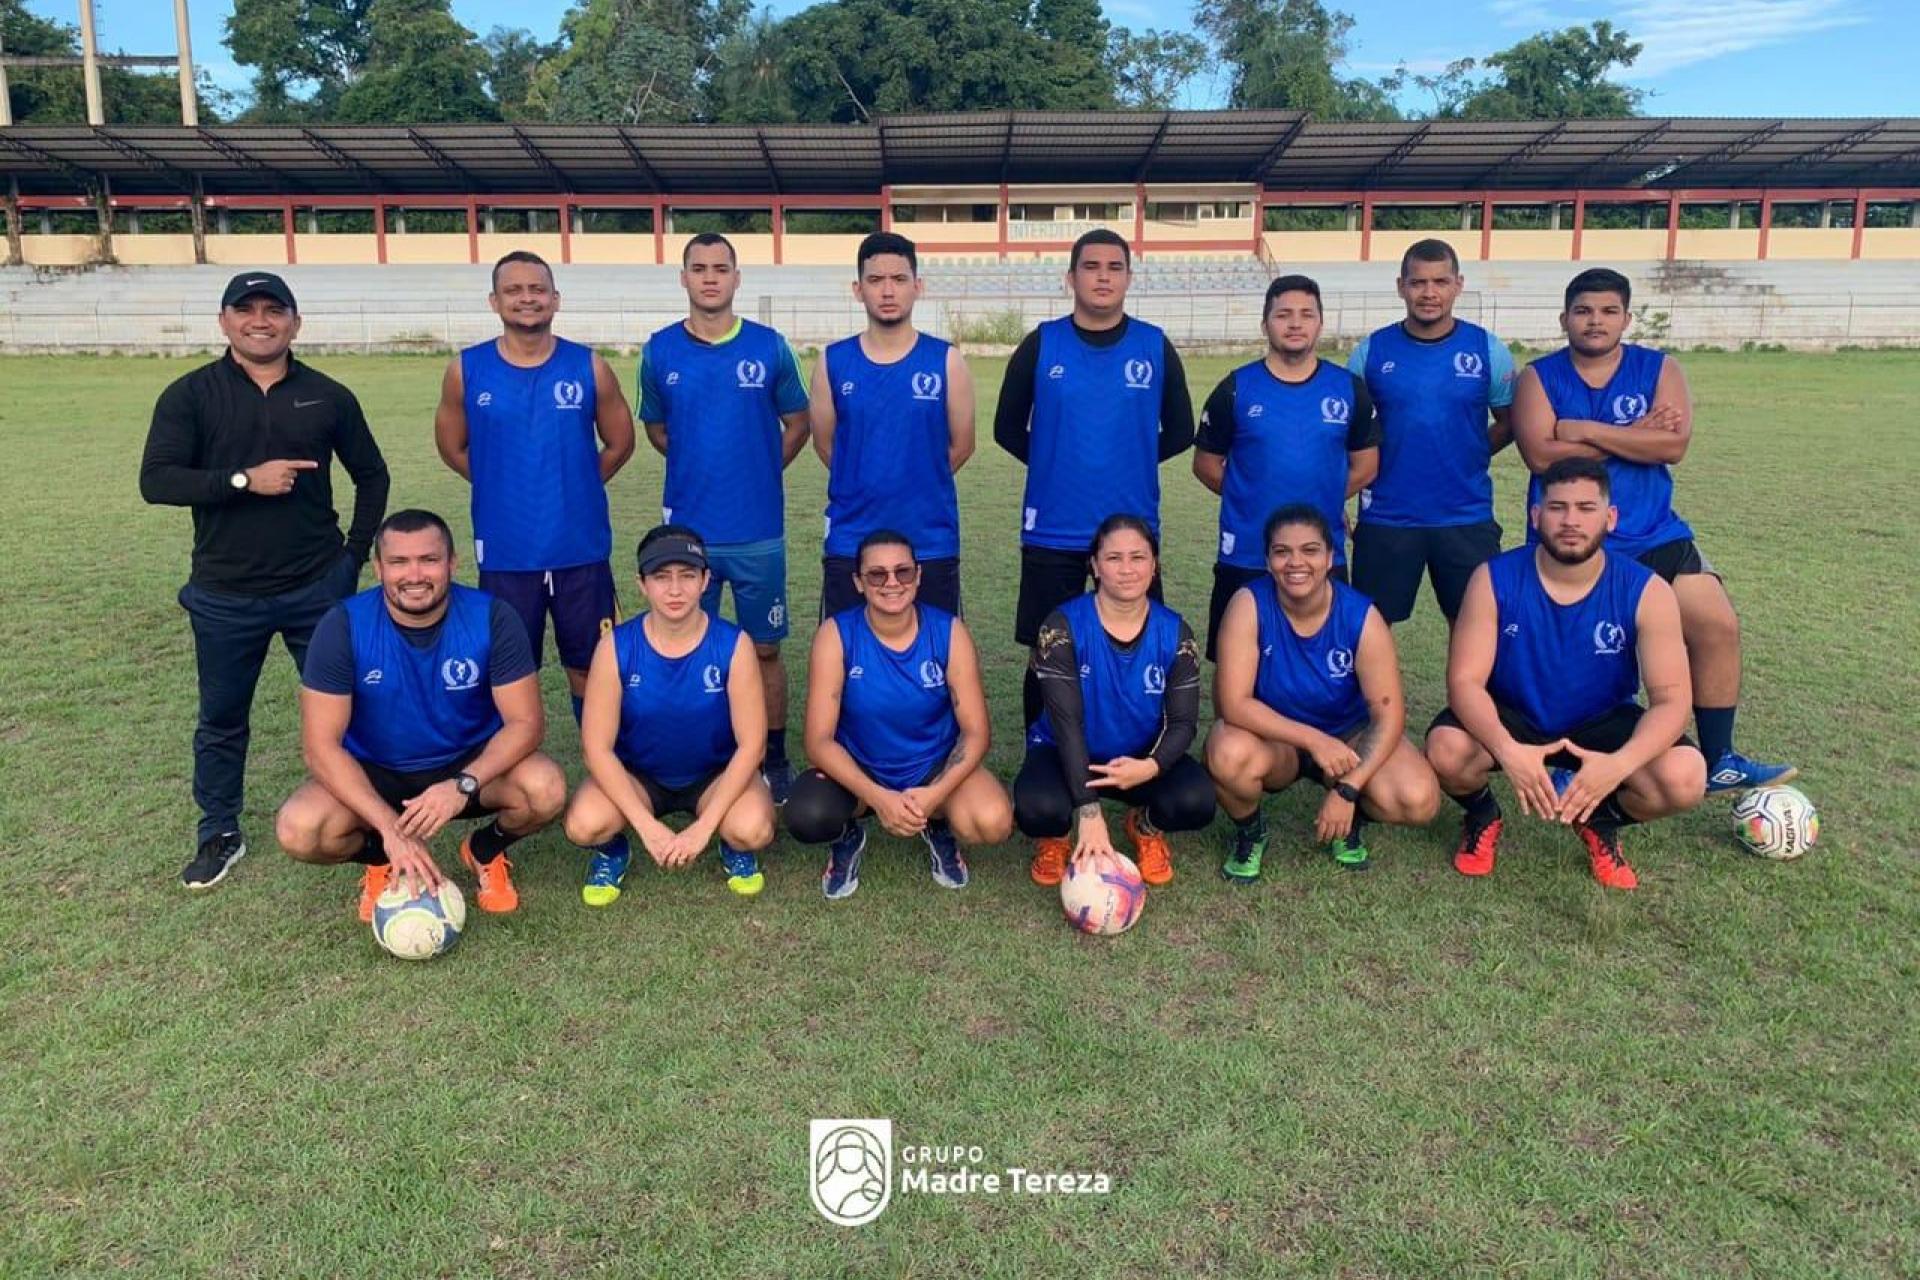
776	746
1480	806
1253	826
1716	730
490	841
1608	815
373	853
1359	822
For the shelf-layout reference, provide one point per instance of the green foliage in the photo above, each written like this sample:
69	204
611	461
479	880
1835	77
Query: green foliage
513	56
1280	217
628	61
58	95
1152	67
1283	53
989	328
1554	75
421	67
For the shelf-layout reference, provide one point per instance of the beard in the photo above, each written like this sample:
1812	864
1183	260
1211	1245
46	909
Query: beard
1576	555
416	610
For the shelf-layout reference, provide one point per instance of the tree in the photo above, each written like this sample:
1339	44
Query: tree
58	95
1283	53
1152	67
421	67
633	60
1559	76
513	58
290	43
419	63
750	82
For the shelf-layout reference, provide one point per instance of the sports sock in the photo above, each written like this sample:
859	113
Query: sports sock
1357	836
373	853
1716	730
490	841
1145	824
1608	815
776	746
1480	806
1253	826
578	703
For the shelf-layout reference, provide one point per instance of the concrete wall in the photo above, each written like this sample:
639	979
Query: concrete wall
429	247
1312	246
611	248
247	251
1528	246
332	250
1811	242
1623	245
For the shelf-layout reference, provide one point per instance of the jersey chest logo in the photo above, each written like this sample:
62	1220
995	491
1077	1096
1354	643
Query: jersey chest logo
1628	409
1609	638
1340	663
1154	678
459	674
1336	411
710	679
1468	365
1138	375
932	676
752	374
484	399
569	393
927	386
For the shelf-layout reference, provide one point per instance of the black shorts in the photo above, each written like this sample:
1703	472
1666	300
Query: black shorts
1048	579
1388	561
397	786
580	599
939	585
666	800
1310	770
1227	579
1607	731
1677	559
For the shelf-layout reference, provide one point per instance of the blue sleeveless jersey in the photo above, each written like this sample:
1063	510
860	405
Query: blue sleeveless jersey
416	709
896	716
538	502
1094	448
890	439
1643	491
1122	694
1312	678
676	721
722	404
1433	398
1289	445
1563	665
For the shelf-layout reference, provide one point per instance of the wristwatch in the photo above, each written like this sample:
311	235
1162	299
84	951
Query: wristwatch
1347	791
468	784
238	479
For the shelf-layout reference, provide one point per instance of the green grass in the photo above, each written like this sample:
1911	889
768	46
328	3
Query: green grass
1398	1074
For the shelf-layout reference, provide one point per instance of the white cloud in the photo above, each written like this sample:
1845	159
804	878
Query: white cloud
1679	33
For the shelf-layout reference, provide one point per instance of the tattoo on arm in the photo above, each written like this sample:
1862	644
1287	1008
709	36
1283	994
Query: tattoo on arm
1088	810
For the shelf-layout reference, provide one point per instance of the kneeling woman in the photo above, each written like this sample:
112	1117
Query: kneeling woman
1308	685
675	721
896	727
1119	675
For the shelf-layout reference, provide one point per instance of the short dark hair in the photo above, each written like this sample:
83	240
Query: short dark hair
884	538
1100	235
1570	470
1599	280
1289	284
1429	251
1121	520
660	531
707	238
885	242
520	255
1295	513
413	520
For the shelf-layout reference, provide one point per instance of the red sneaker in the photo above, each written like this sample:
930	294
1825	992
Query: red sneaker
373	883
1153	856
497	895
1479	841
1050	860
1603	852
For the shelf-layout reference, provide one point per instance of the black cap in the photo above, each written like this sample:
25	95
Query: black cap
674	548
265	283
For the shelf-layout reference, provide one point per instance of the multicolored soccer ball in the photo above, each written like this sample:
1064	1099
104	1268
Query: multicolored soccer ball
419	926
1103	895
1776	822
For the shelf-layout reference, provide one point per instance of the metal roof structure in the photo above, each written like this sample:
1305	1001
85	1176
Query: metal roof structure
1284	151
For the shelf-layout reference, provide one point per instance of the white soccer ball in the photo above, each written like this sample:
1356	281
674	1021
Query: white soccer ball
1776	822
1103	896
419	926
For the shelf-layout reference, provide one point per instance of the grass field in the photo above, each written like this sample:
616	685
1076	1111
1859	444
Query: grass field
1398	1074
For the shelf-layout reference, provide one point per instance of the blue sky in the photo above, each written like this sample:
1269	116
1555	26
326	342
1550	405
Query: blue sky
1702	57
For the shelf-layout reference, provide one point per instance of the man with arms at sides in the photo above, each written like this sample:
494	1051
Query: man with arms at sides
1308	686
420	706
1093	403
248	443
1628	406
724	402
675	723
896	726
1435	379
892	412
1552	645
1289	427
518	418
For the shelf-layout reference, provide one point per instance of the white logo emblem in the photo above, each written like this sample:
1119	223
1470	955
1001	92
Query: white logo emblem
374	676
1031	514
568	394
1058	372
1139	375
932	676
777	614
850	1169
926	386
1335	410
1256	411
1154	678
846	388
752	374
1629	408
1511	629
1468	365
711	679
633	681
1386	366
673	378
252	283
1339	663
484	399
856	671
459	674
1609	637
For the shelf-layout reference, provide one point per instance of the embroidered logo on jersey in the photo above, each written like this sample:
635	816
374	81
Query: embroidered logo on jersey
926	386
846	388
484	399
459	674
1629	409
1468	365
1510	630
856	671
673	378
1340	663
752	374
1227	542
1609	638
1256	411
932	676
569	393
1386	366
1139	374
374	676
633	681
1335	410
711	680
1154	678
1058	372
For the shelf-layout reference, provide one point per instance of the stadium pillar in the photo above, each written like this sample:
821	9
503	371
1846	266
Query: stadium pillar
473	230
380	232
1139	219
1579	221
779	210
286	223
566	232
1859	222
659	232
15	254
1366	228
1673	222
197	211
1486	226
1002	220
886	208
1766	221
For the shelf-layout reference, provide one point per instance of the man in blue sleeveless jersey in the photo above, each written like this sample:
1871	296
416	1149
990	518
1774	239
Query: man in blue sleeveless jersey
419	706
892	412
1435	380
1628	406
1552	645
1092	403
518	418
724	402
1287	428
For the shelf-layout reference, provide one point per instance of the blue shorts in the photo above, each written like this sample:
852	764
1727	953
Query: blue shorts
757	571
580	599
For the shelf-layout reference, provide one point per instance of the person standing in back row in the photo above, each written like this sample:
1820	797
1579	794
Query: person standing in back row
724	402
248	442
1435	379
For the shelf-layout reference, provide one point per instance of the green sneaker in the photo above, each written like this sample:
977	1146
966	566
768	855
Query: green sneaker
1243	864
1349	853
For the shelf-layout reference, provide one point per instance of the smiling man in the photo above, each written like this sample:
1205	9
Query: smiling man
248	443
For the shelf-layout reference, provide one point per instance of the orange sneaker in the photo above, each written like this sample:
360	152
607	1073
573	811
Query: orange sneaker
497	895
1050	860
373	883
1152	855
1478	843
1603	852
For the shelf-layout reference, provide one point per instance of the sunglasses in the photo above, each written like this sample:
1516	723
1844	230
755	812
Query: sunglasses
906	575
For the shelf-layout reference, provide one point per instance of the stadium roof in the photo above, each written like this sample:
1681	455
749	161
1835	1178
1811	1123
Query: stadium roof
1281	150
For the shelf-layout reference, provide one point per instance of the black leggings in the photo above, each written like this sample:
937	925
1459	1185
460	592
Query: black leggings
1181	799
818	809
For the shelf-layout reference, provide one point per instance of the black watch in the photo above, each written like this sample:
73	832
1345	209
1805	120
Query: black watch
468	784
1345	790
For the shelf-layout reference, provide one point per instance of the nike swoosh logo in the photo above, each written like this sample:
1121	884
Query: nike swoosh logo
306	404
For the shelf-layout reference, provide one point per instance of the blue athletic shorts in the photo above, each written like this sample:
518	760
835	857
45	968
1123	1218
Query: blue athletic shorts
757	571
580	599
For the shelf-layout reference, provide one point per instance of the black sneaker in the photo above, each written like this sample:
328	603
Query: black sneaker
215	858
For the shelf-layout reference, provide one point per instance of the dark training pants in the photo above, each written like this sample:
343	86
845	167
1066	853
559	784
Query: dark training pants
1181	799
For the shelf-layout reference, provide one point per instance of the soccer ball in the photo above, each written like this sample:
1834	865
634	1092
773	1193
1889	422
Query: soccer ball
1776	822
1104	895
419	926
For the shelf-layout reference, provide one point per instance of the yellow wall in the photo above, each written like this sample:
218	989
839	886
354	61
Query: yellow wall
1718	244
247	251
57	251
1313	246
1623	246
428	247
494	245
1810	242
1529	246
756	250
1240	229
820	250
154	250
340	250
982	233
1889	242
1388	246
612	249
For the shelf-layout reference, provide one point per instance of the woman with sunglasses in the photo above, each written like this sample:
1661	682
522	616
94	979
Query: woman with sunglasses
896	727
1119	676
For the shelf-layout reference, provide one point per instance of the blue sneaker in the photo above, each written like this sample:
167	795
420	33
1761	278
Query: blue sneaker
1734	772
949	868
1562	779
778	775
842	875
743	871
604	875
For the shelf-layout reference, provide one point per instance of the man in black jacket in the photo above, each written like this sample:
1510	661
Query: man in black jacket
248	443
